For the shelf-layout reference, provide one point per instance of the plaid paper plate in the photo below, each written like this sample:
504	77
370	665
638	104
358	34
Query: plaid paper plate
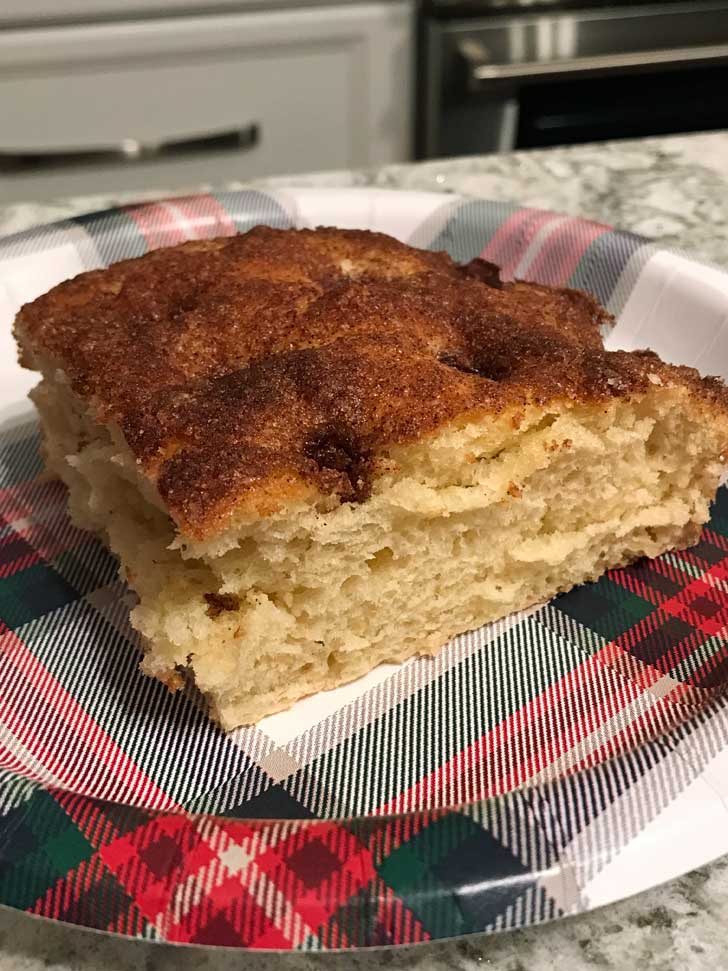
546	764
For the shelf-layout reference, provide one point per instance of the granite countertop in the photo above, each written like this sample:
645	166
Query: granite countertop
673	189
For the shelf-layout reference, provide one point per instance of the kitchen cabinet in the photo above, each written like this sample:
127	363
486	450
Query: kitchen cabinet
33	11
173	101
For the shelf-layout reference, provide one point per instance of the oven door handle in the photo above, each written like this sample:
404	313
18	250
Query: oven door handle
128	151
482	70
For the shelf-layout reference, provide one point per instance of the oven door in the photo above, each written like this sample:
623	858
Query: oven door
499	83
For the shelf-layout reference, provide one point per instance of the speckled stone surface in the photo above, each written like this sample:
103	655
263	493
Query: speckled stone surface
672	189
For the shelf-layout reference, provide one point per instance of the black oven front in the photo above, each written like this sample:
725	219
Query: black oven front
495	80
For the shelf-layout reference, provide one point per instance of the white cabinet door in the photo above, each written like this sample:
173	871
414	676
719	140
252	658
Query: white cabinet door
34	11
179	101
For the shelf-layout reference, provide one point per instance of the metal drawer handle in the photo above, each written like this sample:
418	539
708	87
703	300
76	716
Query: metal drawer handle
128	151
477	57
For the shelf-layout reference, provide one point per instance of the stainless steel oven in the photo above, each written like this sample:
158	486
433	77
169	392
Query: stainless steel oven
494	77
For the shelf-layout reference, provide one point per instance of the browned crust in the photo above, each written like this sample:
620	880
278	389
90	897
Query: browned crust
249	370
218	603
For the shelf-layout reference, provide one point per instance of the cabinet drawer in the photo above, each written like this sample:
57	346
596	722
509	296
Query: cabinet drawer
34	11
159	103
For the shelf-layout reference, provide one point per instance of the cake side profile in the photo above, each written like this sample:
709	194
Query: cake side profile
315	451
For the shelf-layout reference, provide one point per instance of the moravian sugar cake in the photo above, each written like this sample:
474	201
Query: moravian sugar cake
315	451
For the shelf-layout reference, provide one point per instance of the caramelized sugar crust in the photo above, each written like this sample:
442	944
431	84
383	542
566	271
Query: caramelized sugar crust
247	372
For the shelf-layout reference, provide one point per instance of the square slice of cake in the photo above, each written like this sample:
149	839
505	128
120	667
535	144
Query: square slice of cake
315	451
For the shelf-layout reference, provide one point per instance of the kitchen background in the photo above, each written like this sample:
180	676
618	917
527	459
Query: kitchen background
99	97
102	96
